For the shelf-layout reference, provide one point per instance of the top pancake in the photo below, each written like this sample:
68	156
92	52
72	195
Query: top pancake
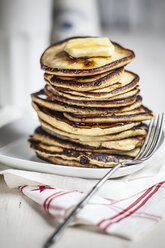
55	61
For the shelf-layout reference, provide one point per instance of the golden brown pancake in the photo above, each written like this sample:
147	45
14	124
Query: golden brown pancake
136	130
127	82
111	103
64	162
139	130
113	160
53	140
125	144
42	100
55	61
85	83
139	114
83	159
50	92
95	103
57	120
127	94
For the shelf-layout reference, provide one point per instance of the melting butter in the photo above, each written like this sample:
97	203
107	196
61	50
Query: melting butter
90	47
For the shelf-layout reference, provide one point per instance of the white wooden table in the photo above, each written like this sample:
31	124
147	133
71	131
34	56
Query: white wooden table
23	223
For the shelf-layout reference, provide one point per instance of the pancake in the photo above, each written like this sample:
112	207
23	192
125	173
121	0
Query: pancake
126	144
42	100
50	92
57	120
55	61
59	161
135	130
127	82
47	138
128	94
85	83
95	103
139	114
120	100
84	159
140	130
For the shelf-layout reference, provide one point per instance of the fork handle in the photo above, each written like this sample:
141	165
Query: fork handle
56	235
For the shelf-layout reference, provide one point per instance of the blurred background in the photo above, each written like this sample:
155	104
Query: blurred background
27	28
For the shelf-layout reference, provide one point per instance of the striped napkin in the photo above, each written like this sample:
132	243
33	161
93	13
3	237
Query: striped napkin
126	218
125	207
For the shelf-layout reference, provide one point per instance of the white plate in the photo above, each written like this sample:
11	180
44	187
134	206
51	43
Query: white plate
15	153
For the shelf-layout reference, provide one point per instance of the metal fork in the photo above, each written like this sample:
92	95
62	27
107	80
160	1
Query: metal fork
149	146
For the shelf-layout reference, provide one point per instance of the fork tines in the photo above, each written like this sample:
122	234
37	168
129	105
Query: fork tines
152	139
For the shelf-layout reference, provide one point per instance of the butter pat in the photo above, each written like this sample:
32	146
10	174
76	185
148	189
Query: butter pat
89	47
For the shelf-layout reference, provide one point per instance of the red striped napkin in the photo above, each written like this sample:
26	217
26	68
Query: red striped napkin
126	218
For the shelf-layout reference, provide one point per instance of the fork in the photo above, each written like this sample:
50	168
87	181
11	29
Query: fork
150	144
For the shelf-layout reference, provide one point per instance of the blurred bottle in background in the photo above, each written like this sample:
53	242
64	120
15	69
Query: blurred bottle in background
25	28
75	18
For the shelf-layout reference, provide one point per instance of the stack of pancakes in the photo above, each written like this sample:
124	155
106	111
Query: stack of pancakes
90	109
